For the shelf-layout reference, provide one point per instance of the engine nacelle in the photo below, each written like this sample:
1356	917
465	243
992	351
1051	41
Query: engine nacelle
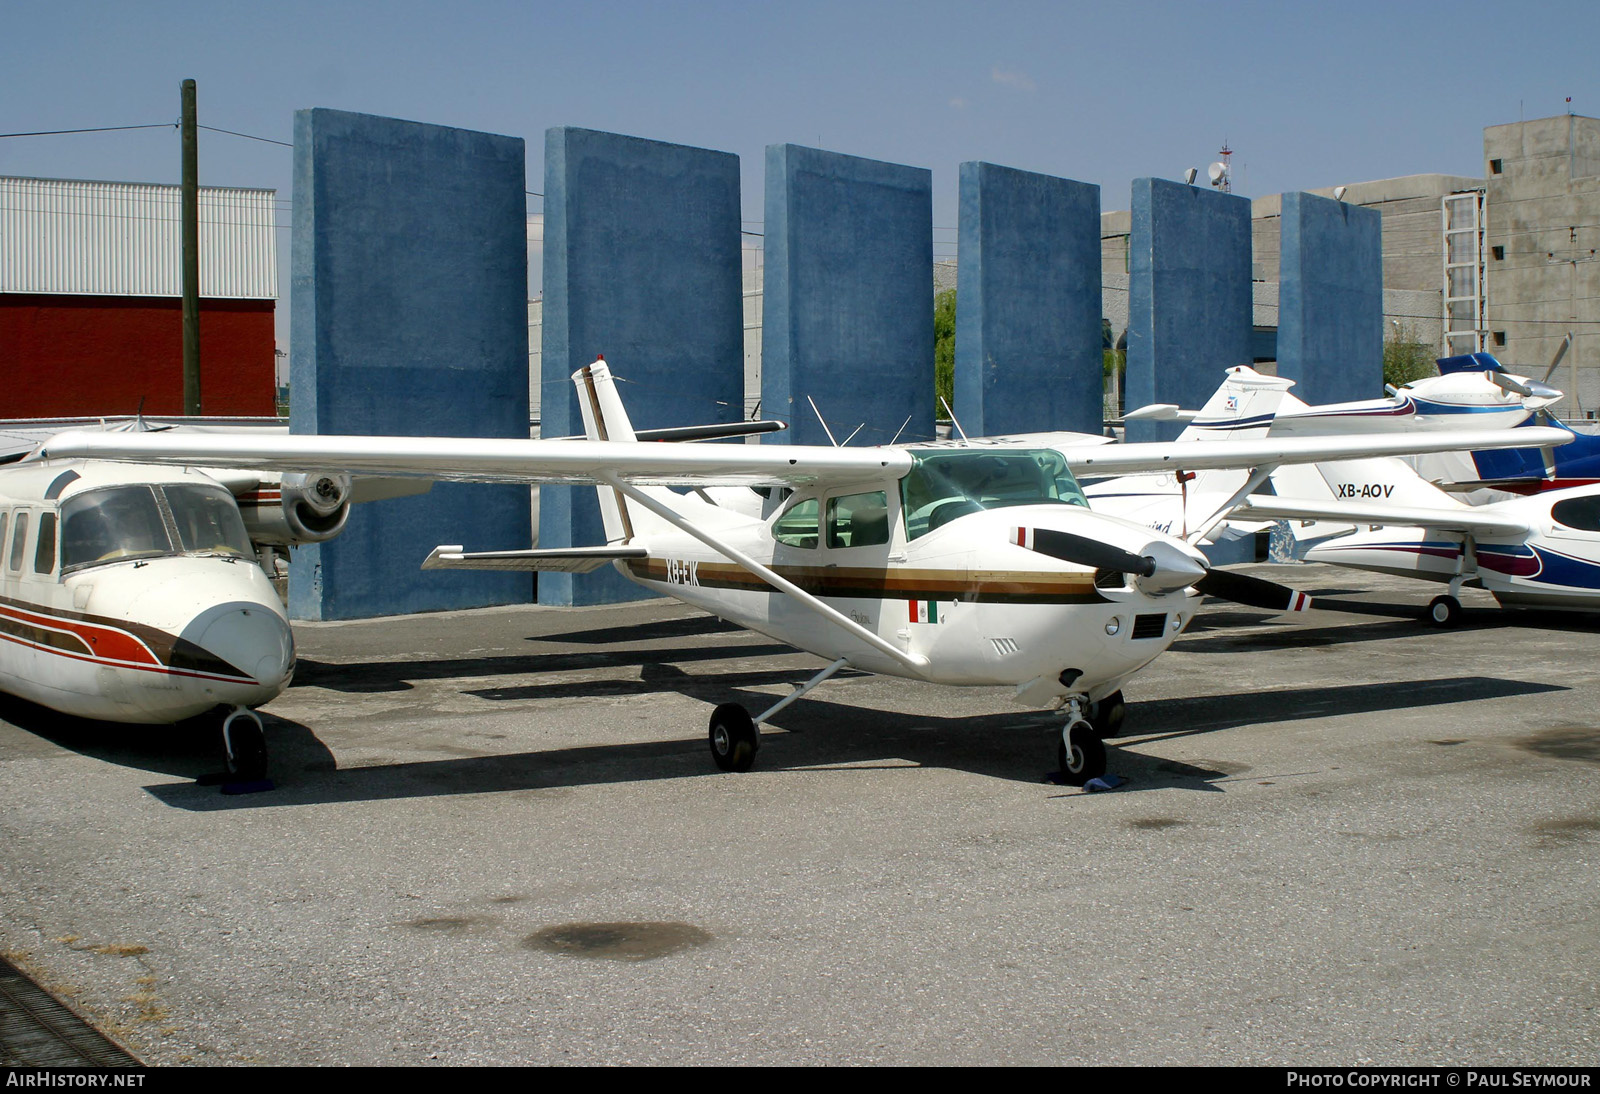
296	508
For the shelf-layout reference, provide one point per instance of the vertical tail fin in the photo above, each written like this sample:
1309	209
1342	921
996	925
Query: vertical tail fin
1243	407
604	419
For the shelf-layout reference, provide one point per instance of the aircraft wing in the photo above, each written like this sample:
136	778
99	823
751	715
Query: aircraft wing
1466	519
510	459
1127	459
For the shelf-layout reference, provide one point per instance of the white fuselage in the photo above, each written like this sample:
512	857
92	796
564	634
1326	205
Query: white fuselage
980	609
129	636
1557	565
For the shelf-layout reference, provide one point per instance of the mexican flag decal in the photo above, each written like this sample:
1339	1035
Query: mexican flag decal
924	611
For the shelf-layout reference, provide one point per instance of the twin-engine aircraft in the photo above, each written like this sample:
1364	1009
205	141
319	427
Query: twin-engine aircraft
962	566
143	594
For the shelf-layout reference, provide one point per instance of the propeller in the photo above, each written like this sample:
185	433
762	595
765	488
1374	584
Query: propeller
1168	573
1253	592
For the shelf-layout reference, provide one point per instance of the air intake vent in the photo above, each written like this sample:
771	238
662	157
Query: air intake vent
1149	626
1110	579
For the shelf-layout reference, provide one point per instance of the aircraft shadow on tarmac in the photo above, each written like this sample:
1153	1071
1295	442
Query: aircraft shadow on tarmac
1223	631
839	739
188	750
393	675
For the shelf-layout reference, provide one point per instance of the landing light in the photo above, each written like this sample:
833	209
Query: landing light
1114	624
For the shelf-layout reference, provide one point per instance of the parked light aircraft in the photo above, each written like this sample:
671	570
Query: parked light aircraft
1538	551
142	594
962	566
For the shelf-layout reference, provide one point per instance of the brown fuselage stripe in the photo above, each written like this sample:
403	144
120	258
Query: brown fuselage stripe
868	583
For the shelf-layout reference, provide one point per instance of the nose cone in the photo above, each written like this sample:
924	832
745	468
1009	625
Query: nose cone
254	640
1177	566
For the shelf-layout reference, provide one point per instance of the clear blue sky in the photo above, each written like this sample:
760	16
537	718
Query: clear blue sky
1307	94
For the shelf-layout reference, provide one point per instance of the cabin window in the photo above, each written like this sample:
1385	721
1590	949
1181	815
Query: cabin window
944	485
44	554
19	536
1581	514
798	525
858	520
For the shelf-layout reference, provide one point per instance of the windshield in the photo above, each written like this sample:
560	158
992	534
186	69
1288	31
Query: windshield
146	521
945	485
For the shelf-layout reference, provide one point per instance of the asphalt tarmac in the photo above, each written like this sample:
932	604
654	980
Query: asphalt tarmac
497	838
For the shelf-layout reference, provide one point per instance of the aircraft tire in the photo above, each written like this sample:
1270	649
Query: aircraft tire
1085	759
249	760
1108	715
733	738
1444	611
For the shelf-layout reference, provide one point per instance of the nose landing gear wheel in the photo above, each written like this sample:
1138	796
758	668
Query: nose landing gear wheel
733	738
1081	753
1444	611
245	743
1108	714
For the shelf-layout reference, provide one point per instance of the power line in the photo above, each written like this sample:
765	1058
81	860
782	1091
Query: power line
246	136
97	129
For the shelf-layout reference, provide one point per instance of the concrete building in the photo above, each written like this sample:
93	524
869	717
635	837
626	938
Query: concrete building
91	299
1543	183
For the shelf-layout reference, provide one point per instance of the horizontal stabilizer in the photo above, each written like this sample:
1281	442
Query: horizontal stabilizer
1475	521
564	560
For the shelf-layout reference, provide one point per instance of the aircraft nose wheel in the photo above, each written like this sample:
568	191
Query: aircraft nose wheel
1106	716
1081	753
244	742
733	738
1444	611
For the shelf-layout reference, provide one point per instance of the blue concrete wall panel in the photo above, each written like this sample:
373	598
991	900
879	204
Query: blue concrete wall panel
1028	354
641	264
409	288
847	303
1330	299
1189	297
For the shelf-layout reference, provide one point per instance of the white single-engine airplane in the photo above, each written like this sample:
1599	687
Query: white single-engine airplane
1541	551
964	566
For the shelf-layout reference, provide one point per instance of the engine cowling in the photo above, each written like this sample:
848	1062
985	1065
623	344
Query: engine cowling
296	508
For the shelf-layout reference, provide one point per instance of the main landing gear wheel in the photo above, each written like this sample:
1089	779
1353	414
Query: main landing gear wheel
1107	715
733	738
244	742
1081	753
1444	611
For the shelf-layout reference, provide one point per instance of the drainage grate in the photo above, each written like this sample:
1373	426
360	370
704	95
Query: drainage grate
1149	626
37	1031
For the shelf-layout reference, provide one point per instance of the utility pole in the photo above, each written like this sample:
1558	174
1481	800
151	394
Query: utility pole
191	254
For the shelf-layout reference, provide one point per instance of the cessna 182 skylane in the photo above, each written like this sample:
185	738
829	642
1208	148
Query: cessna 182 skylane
958	566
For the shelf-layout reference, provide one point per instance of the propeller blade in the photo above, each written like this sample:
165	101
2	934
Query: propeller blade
1083	551
1561	351
1510	384
1254	592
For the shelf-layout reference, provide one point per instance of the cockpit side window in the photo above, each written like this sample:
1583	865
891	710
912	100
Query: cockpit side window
44	553
858	520
207	520
797	527
1582	514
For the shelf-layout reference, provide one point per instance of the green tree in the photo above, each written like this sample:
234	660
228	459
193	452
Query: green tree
944	350
1405	358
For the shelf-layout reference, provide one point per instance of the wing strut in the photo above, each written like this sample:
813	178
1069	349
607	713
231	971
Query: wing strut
1257	477
912	661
